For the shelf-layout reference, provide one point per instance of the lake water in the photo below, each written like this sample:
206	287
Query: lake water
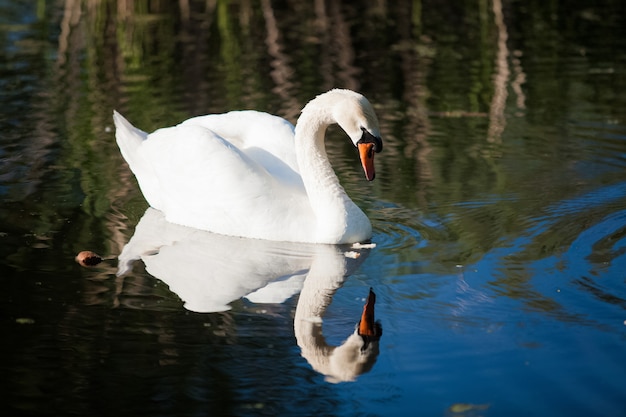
499	211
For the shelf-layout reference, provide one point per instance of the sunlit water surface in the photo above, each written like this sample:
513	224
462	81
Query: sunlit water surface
499	212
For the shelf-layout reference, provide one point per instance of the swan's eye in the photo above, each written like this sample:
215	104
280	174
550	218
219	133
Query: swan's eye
367	137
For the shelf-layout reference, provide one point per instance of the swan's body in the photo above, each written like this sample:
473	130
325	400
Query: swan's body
254	175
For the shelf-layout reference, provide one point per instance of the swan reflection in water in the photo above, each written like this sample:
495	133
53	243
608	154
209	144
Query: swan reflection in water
209	271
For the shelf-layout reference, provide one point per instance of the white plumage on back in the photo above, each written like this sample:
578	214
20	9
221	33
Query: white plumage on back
240	174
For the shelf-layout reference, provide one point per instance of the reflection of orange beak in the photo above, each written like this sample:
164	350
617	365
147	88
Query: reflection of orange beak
366	152
367	326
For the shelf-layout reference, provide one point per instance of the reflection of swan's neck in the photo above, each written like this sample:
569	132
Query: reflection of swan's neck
326	274
342	363
329	201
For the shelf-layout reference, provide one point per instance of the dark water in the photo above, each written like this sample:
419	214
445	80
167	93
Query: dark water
499	211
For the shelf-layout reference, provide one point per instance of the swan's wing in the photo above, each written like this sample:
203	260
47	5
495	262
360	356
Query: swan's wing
199	179
265	138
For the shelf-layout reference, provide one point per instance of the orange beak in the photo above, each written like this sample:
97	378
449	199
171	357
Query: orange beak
366	153
367	326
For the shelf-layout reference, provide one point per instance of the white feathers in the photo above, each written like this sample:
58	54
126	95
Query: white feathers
251	174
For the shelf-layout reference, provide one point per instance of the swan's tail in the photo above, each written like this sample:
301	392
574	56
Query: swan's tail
128	138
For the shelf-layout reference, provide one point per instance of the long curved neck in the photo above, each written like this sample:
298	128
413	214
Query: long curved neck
327	197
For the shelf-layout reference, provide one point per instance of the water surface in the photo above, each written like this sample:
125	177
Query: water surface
499	211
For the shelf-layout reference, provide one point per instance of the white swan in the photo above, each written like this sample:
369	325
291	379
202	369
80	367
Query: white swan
251	174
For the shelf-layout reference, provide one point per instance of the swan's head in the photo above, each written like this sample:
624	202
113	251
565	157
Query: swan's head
356	116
